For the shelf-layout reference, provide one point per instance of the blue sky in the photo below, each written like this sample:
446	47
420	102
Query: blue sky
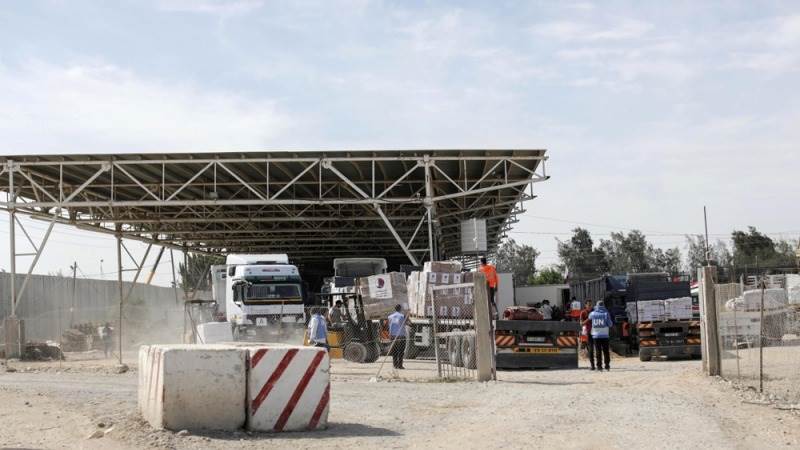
649	109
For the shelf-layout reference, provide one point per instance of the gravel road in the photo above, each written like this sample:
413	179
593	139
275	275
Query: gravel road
656	404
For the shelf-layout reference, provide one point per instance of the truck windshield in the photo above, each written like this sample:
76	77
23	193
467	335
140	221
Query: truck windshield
256	292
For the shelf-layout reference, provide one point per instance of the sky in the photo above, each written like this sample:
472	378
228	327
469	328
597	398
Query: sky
648	110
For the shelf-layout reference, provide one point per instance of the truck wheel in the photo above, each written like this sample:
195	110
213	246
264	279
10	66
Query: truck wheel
454	351
644	356
468	352
373	353
355	352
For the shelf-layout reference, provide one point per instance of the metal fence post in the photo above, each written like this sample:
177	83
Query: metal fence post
761	342
435	338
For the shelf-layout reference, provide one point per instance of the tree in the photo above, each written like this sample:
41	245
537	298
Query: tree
580	257
695	252
753	248
628	253
198	275
666	260
519	259
549	275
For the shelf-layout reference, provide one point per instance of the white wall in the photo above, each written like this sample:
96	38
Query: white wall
535	294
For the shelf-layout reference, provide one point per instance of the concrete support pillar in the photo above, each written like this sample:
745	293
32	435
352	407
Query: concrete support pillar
709	332
484	333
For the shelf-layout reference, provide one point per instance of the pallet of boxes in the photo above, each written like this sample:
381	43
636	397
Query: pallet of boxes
665	327
441	313
380	294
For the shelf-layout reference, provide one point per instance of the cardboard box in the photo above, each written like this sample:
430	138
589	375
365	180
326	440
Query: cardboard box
651	311
381	293
678	308
442	266
456	302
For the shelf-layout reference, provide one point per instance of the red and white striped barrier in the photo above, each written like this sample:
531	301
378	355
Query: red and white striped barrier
288	388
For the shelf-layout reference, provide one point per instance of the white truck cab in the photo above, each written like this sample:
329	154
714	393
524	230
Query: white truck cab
263	290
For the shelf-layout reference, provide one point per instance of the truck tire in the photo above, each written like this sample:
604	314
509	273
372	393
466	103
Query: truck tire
454	351
355	352
373	353
468	352
644	357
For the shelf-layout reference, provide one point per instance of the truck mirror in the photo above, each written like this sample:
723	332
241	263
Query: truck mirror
232	270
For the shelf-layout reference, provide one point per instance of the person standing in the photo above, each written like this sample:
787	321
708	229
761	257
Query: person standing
546	310
106	334
601	324
397	331
335	315
317	329
490	271
586	331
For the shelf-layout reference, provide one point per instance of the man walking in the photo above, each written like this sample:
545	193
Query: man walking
317	329
601	323
397	331
586	331
108	339
490	271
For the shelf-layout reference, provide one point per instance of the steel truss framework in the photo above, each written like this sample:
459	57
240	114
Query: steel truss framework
402	205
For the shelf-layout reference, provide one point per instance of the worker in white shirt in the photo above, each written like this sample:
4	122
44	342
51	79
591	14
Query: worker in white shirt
318	329
546	310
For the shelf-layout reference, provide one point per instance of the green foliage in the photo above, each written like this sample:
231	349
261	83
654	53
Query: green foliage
198	276
580	257
754	249
550	275
519	259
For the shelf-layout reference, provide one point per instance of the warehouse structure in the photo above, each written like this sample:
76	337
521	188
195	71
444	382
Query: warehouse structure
406	205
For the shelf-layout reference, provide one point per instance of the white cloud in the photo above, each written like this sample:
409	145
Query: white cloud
102	108
219	7
623	29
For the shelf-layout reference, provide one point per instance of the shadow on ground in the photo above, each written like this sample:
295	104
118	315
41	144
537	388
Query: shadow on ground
333	430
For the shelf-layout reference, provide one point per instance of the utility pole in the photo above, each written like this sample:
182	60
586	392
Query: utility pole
74	268
705	221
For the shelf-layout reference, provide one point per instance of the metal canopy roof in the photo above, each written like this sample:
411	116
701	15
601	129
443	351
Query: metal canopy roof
312	205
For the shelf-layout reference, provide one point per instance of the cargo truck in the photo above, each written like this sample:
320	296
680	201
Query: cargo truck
264	294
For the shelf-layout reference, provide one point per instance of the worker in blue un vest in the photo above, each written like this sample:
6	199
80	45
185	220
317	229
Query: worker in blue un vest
601	322
397	331
318	329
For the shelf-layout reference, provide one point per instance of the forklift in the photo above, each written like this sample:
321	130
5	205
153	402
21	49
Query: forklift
358	337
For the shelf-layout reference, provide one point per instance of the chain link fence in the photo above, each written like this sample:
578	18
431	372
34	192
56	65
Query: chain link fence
454	335
758	321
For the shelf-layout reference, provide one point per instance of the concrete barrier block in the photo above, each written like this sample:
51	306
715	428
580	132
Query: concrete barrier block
193	387
288	388
214	332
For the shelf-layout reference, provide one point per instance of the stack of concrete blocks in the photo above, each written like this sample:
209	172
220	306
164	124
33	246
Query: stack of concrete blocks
774	299
214	332
678	308
382	293
456	302
229	386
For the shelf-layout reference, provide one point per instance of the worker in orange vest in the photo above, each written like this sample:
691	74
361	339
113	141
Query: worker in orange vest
490	272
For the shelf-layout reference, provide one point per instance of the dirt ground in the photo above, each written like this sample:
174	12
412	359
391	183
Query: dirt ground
659	404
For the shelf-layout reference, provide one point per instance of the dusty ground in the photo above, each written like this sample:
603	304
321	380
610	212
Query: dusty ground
656	404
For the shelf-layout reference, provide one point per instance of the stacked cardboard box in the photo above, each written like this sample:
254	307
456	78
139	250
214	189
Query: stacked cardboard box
678	308
454	302
650	310
442	266
381	293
